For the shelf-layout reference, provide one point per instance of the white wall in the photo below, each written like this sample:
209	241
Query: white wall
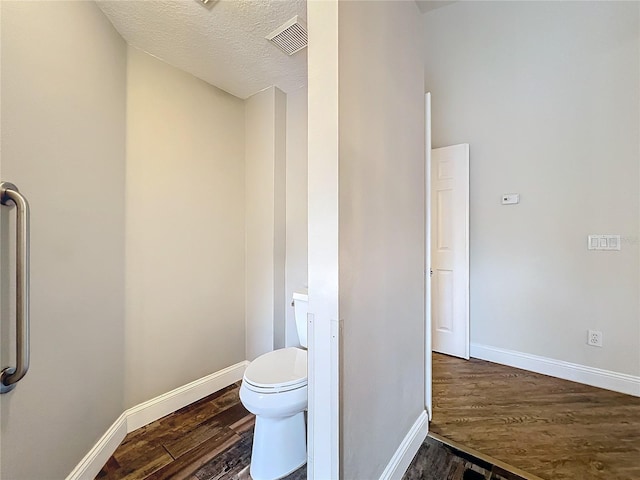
323	423
381	230
185	228
296	215
63	143
547	95
265	127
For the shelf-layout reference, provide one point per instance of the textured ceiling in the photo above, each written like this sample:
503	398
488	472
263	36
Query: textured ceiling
223	44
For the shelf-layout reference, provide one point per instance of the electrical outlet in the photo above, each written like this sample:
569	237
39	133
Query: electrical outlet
594	338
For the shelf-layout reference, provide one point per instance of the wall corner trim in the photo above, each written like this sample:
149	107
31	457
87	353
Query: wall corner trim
93	461
148	412
407	449
596	377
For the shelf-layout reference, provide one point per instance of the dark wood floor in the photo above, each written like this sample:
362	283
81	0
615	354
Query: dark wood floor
209	439
493	418
550	428
438	461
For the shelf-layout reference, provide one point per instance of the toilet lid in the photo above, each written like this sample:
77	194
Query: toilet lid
286	367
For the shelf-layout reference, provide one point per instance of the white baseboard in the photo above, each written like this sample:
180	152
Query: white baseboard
150	411
93	461
169	402
596	377
401	460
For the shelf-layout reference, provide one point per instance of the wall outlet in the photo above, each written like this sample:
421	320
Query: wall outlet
594	338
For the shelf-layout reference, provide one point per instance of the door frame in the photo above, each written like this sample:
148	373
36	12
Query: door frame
428	394
428	302
323	368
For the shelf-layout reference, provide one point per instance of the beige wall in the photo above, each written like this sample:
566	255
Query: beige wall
63	143
546	94
296	215
88	123
381	230
185	229
265	158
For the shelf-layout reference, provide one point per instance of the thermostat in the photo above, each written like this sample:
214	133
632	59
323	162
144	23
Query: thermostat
510	198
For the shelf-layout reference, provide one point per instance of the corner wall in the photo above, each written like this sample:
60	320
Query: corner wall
63	144
185	229
297	203
381	231
265	178
323	422
547	96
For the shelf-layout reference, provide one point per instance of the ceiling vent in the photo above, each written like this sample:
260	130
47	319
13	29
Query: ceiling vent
290	37
207	3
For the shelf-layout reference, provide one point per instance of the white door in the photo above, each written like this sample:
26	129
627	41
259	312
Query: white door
450	250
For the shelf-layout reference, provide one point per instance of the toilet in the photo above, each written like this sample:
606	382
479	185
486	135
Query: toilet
274	389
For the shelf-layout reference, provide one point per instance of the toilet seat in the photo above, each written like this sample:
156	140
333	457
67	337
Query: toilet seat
278	371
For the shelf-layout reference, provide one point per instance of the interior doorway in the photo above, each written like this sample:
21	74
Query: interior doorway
447	318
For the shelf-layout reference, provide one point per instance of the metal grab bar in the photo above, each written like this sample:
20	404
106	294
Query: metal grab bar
9	195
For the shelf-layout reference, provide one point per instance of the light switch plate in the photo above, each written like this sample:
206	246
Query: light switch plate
604	242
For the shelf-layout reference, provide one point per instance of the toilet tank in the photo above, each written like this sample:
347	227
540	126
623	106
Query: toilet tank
300	309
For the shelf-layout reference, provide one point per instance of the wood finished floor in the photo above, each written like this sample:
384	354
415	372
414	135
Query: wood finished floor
211	440
437	461
208	440
550	428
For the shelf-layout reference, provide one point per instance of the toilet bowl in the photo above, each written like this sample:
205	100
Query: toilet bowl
274	389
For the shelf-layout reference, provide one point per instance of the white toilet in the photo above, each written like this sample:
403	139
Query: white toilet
274	389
